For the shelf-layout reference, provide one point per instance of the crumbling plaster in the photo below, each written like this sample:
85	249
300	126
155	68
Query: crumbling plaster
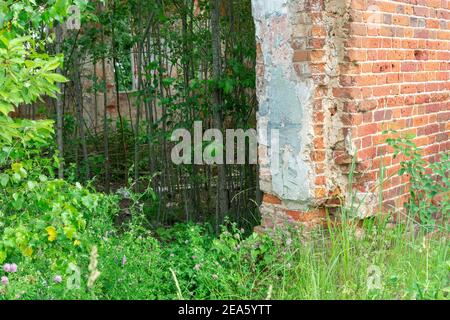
298	71
285	102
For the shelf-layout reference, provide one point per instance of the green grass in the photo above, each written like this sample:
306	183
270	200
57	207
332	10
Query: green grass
328	265
384	265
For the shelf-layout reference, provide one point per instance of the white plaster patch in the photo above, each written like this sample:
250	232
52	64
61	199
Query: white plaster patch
284	106
266	8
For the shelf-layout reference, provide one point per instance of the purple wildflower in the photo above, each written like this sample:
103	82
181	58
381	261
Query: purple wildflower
7	267
5	280
57	279
13	268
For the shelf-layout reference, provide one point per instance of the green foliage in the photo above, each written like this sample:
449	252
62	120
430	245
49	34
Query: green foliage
44	217
25	73
426	180
20	17
138	265
24	77
49	227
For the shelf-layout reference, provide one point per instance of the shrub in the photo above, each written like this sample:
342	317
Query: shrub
426	180
49	218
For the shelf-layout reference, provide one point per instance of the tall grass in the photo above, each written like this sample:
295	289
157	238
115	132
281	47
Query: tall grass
189	262
384	264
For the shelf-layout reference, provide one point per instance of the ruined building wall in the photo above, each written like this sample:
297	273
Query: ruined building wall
397	78
332	75
123	102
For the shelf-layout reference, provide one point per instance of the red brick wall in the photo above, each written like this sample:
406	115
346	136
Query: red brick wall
397	77
375	66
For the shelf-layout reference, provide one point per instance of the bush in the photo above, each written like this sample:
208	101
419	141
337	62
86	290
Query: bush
426	180
49	220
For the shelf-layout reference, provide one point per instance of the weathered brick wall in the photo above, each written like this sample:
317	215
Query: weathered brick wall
398	55
123	103
356	68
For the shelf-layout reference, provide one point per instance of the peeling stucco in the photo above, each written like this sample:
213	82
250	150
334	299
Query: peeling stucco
285	104
329	102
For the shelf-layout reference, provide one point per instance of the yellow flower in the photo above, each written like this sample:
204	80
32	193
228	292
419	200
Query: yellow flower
76	243
51	231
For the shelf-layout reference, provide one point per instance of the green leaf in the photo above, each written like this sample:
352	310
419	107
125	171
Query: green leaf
4	40
5	108
4	179
52	65
55	77
2	256
69	231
